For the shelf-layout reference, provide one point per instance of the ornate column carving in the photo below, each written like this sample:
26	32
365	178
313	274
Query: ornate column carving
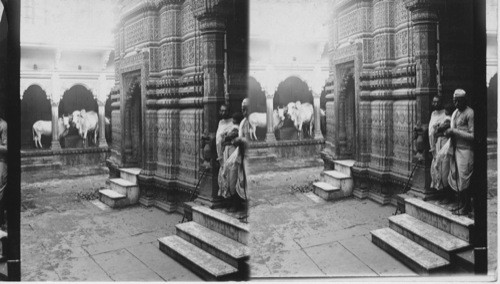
424	16
212	28
270	137
55	145
317	116
102	125
54	102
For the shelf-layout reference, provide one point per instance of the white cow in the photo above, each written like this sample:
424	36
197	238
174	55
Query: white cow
300	114
44	127
85	122
258	119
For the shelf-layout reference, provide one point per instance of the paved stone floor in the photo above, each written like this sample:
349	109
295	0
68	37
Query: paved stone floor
296	234
64	237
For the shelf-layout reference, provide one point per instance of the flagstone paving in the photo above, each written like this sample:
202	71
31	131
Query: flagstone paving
296	236
65	238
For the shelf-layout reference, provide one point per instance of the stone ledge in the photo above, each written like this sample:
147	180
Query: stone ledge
69	151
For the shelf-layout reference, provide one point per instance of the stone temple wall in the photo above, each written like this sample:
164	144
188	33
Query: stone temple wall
172	55
390	49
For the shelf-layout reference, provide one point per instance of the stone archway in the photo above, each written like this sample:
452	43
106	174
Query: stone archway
292	89
77	97
257	98
34	106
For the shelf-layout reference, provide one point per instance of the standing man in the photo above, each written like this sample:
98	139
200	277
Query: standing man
3	168
461	133
440	166
225	126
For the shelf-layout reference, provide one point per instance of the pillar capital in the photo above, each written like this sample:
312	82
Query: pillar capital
210	8
210	23
423	10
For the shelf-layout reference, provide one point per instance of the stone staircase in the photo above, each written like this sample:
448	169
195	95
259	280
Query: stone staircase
336	183
213	245
427	238
123	191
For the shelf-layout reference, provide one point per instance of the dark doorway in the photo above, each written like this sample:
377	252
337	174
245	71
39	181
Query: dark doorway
133	127
35	106
107	114
347	116
492	107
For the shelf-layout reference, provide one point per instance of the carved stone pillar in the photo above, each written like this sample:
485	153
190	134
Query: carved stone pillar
102	126
270	137
317	117
424	17
212	27
55	128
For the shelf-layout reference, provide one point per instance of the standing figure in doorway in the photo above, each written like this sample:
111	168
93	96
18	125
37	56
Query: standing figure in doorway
440	166
461	133
3	168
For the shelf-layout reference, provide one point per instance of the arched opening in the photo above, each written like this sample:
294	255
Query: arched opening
257	100
492	106
35	106
292	89
77	97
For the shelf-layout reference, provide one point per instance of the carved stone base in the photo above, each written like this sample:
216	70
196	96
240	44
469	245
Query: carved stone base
214	203
146	201
360	193
166	206
379	197
55	146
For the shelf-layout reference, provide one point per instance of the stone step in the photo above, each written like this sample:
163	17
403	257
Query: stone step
125	187
458	226
130	174
199	261
464	260
432	238
220	246
415	256
344	166
221	223
338	179
327	191
112	198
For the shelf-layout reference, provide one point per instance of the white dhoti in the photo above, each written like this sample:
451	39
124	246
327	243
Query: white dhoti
440	166
232	178
463	163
